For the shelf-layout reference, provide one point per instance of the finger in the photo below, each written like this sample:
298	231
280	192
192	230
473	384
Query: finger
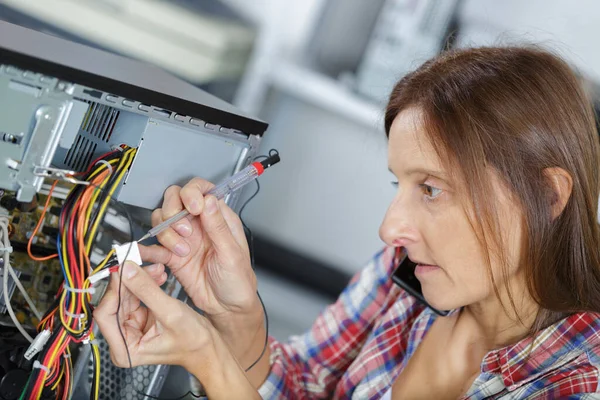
109	303
171	201
105	317
156	254
217	229
169	238
172	204
156	272
235	226
144	288
192	195
111	333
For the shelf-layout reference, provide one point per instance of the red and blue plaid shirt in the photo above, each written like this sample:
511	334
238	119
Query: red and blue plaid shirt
359	345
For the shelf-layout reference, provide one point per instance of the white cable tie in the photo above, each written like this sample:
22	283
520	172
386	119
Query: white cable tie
90	290
68	314
39	365
108	166
66	355
8	249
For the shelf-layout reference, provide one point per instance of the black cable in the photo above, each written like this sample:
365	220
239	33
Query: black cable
131	240
251	242
250	239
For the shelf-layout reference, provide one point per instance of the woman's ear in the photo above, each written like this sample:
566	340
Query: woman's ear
561	185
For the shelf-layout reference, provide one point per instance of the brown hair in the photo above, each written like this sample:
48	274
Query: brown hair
519	111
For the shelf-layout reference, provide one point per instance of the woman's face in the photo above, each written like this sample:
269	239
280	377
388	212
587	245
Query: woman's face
427	217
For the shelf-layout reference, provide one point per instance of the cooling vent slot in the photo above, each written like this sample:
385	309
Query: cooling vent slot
97	128
80	154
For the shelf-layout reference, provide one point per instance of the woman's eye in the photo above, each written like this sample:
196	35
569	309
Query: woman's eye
430	191
394	184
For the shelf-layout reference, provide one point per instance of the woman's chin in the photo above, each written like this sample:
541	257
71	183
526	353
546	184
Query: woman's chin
440	302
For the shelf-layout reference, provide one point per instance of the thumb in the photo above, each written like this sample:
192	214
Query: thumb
145	288
216	227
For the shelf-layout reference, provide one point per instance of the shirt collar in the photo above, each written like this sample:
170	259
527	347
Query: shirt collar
550	348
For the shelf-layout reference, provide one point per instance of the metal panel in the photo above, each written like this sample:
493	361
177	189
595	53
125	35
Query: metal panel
33	115
118	75
102	128
170	154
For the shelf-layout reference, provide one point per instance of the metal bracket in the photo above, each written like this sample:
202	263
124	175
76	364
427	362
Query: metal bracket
58	174
36	154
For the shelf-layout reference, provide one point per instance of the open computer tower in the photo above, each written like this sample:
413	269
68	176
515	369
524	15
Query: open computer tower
61	105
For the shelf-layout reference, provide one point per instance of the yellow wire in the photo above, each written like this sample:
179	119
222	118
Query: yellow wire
66	325
71	378
96	367
103	263
95	172
50	362
93	199
70	282
65	259
66	292
128	159
122	163
62	371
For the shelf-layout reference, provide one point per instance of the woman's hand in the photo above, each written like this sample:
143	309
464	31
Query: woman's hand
207	252
166	331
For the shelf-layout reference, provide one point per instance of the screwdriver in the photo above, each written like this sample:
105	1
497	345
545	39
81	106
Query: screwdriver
229	185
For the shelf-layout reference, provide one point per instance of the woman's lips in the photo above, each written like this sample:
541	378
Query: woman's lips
423	269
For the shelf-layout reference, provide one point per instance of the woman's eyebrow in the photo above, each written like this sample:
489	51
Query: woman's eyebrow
424	171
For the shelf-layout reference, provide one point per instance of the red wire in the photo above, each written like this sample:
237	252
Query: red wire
67	381
70	253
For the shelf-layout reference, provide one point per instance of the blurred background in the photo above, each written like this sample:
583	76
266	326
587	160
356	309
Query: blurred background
319	72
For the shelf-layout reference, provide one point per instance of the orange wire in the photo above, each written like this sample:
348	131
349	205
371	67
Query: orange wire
37	227
67	382
46	319
83	205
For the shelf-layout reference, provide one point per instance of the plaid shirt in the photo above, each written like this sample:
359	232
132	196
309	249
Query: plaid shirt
359	345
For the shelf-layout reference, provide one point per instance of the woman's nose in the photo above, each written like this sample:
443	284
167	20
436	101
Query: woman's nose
398	227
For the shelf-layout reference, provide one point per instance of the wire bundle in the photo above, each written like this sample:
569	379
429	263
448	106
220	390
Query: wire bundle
70	320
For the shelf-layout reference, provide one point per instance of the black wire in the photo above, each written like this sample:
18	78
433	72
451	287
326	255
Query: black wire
126	212
251	242
131	240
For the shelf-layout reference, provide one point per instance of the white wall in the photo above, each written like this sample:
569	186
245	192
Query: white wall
572	27
328	196
295	16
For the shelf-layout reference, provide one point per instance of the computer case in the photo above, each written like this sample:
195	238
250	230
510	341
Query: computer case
62	104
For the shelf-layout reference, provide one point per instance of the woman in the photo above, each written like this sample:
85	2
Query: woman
496	157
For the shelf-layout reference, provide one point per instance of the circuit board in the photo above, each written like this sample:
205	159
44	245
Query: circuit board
41	279
24	218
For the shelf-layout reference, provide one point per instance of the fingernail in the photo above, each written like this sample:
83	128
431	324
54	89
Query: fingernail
184	229
211	205
130	270
181	249
152	268
194	206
